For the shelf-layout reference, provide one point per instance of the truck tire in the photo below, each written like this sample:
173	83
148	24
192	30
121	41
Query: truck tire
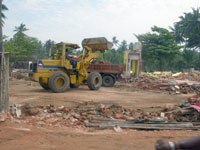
108	81
44	86
59	82
74	85
94	81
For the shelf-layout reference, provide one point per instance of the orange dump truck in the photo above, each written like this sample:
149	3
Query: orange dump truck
110	73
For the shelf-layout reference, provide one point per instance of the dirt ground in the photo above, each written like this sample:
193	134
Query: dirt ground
19	136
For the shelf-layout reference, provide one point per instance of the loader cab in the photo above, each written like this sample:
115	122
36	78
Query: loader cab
62	50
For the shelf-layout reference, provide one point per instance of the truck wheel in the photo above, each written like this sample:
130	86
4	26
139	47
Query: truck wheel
44	86
59	82
74	85
108	81
94	81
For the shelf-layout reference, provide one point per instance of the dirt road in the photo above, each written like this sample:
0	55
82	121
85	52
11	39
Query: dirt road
30	92
15	135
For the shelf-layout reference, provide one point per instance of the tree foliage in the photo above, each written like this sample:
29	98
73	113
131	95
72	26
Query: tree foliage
159	47
4	8
23	47
116	55
187	30
20	30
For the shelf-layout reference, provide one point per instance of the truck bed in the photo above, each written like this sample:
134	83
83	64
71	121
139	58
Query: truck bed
105	68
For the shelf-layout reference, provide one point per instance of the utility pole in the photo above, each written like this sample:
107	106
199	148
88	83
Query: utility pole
4	70
1	33
50	53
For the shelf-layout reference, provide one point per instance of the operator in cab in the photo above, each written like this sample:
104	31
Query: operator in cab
73	61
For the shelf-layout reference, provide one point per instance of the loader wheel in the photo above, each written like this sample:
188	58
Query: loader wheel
94	81
108	81
59	82
74	85
44	86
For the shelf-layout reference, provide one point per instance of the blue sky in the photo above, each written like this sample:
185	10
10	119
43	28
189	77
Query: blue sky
73	20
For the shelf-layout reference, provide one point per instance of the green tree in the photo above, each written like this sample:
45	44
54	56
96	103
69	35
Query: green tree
131	46
20	30
123	47
190	57
49	44
5	37
115	41
159	48
21	46
187	30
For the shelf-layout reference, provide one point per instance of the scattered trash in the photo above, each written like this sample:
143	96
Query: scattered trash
117	129
15	111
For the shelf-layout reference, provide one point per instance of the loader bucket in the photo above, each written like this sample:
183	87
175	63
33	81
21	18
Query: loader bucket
100	43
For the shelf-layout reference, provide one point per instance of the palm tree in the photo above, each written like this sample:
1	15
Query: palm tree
187	30
123	46
4	8
115	41
20	29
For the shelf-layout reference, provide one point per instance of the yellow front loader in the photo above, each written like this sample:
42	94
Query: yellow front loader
64	72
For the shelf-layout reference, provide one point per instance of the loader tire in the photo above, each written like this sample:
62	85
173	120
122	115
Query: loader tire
94	81
74	85
44	86
108	81
59	82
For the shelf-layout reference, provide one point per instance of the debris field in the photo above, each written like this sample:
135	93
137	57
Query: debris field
163	104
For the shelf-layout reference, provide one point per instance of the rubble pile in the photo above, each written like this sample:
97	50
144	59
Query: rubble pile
165	82
70	117
183	88
145	82
86	112
191	76
20	74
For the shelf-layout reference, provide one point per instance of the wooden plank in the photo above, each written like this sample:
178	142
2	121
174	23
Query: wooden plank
109	124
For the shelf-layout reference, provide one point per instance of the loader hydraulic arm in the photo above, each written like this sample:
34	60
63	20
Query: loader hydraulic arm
89	55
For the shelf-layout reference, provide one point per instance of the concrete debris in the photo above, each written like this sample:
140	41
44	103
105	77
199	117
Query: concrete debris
21	74
174	84
117	129
84	113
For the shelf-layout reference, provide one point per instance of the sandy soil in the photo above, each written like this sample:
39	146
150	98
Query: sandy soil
21	136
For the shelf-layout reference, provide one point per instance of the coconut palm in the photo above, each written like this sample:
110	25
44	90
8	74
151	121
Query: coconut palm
4	8
187	30
20	29
115	41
